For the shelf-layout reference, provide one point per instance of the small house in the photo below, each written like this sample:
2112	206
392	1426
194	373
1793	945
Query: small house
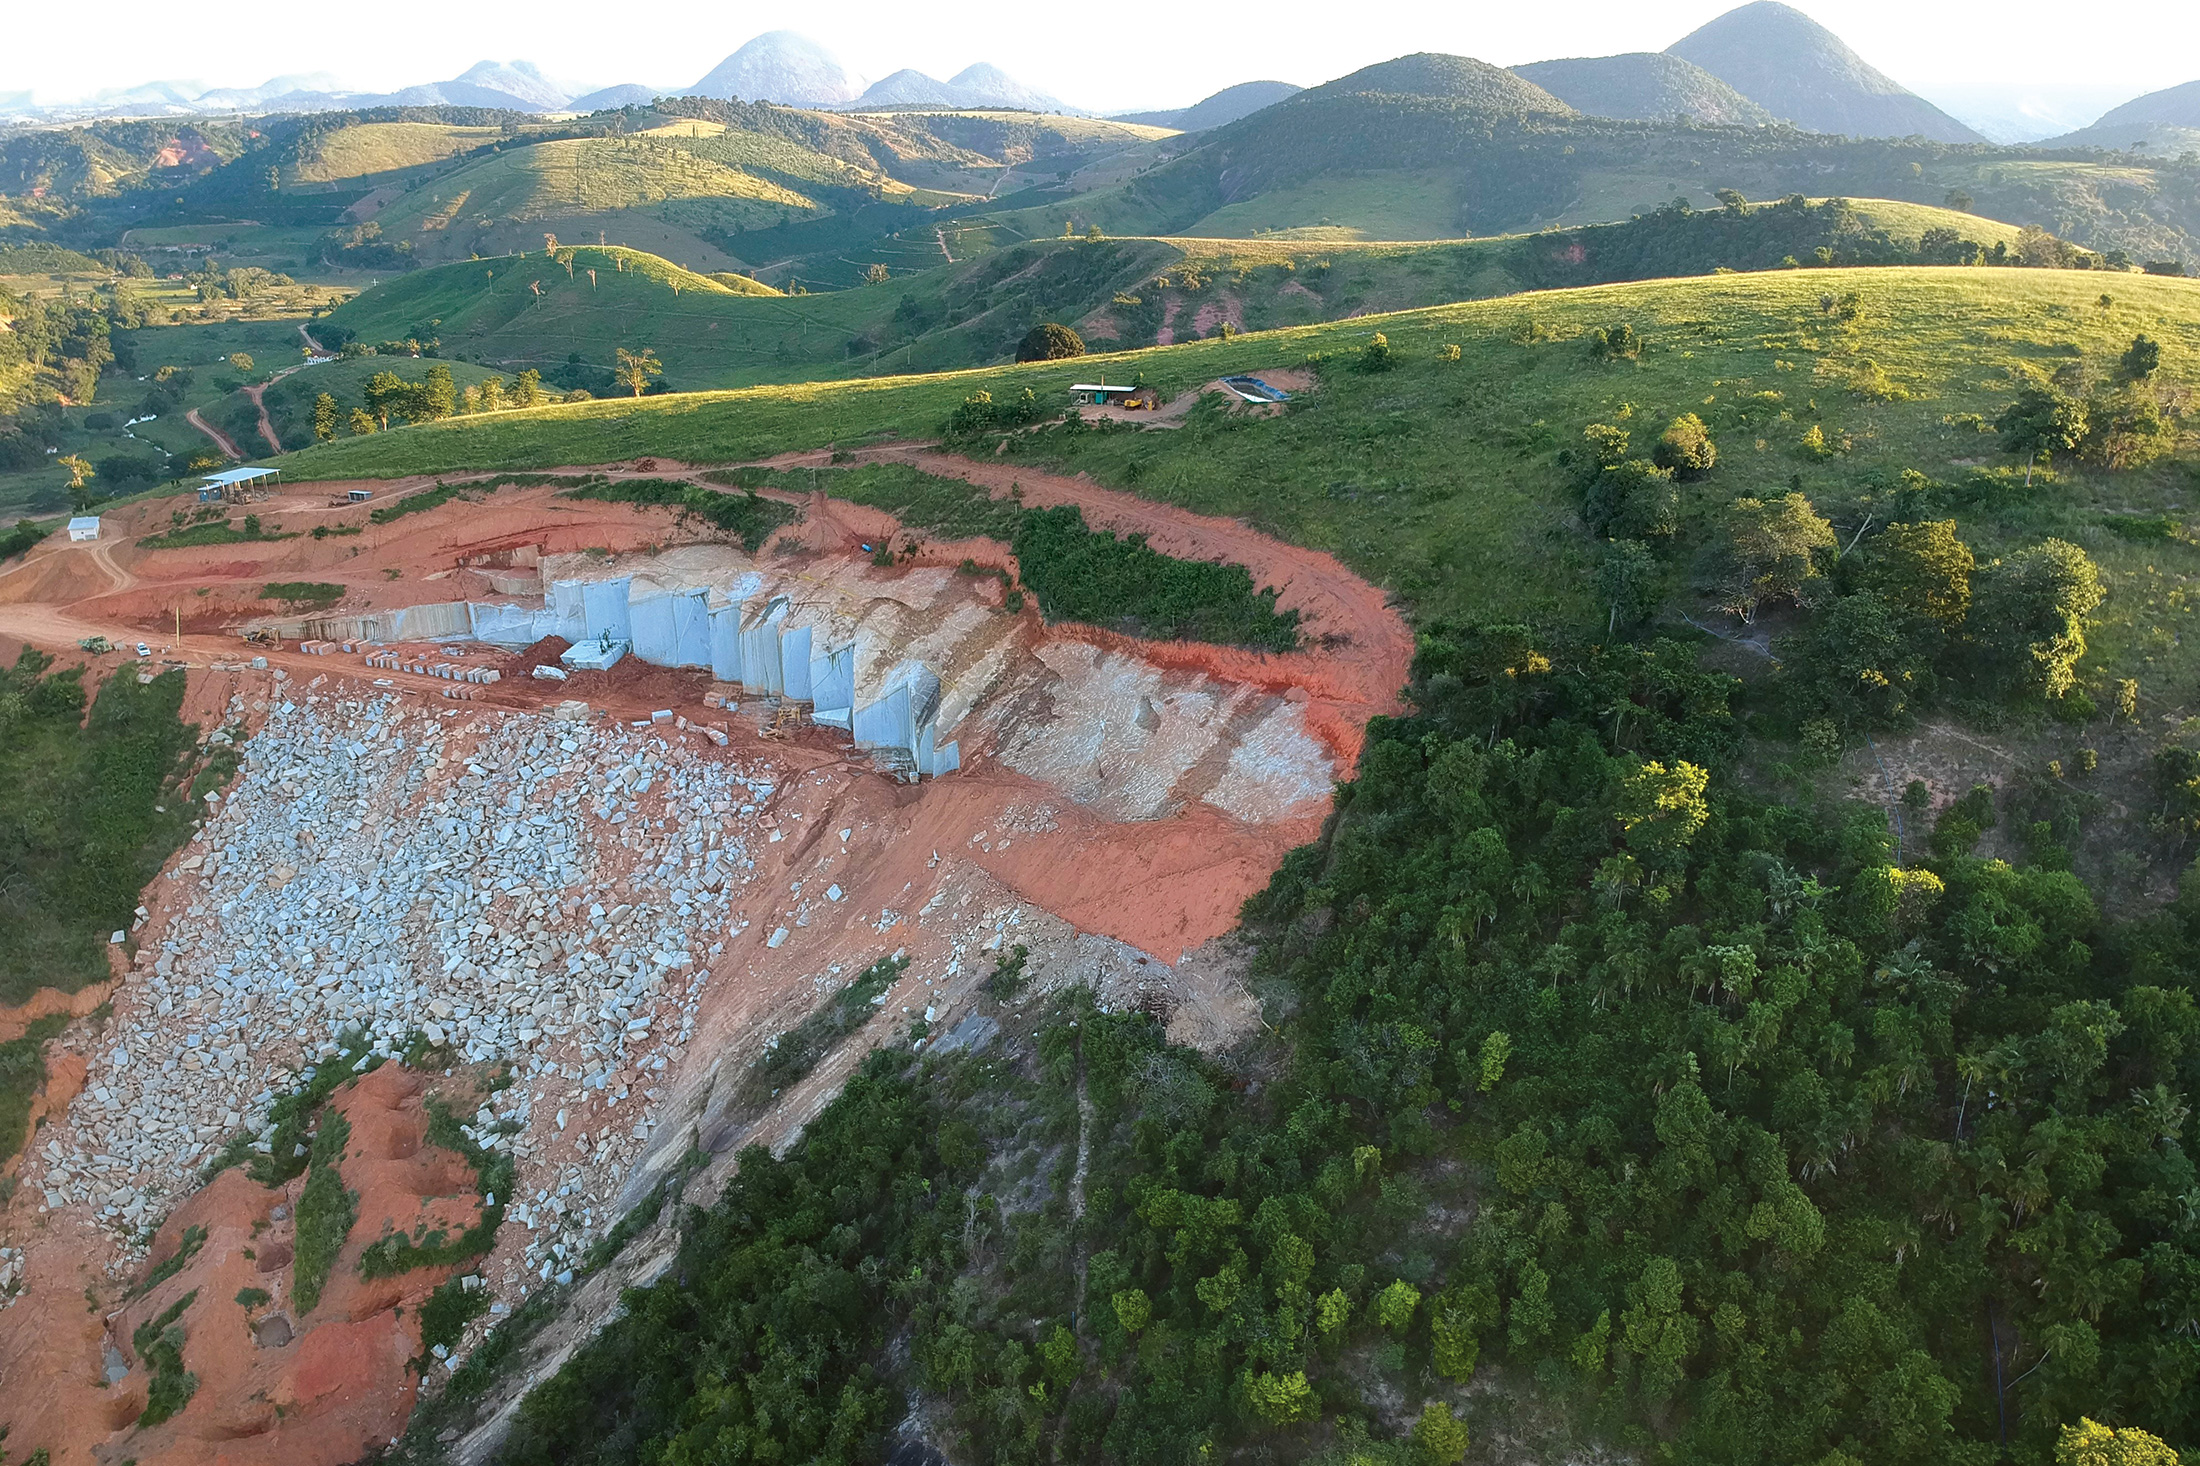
84	527
359	496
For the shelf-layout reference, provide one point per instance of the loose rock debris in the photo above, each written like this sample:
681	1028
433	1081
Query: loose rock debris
375	873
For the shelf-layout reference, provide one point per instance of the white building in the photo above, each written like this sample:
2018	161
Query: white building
84	527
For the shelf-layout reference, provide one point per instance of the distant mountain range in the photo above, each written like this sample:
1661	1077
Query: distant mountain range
510	86
1760	64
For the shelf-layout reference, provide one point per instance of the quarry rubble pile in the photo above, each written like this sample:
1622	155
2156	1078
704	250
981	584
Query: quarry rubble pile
510	887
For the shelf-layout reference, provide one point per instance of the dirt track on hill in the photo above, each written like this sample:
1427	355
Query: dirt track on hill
221	439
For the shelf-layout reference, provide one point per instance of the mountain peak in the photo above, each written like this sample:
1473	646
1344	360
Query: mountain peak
781	66
1795	68
521	79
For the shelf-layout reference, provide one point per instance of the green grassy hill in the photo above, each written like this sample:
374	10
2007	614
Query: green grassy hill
492	204
367	149
1440	480
1118	293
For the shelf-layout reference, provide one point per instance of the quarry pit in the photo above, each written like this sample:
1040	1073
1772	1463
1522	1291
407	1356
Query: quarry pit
597	917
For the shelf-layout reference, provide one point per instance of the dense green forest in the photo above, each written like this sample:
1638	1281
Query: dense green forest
1779	1141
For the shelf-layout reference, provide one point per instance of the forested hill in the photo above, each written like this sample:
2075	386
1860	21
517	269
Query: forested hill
1464	158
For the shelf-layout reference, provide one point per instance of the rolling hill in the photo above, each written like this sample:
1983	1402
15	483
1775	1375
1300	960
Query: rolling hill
1649	85
1475	86
512	313
363	151
497	204
1798	70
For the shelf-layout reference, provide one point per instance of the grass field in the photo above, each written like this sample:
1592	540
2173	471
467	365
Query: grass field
370	148
290	401
1389	205
1440	481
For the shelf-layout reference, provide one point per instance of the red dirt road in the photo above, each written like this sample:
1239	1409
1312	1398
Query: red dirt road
221	439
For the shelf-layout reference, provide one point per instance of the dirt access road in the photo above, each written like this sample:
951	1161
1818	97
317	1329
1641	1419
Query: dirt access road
221	439
257	391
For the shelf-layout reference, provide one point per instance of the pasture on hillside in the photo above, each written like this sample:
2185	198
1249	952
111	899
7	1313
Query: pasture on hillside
1439	479
532	310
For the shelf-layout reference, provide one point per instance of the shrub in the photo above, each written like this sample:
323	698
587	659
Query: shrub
2141	358
1049	341
159	1344
1616	342
1634	500
326	1212
1964	822
2027	623
1377	356
1685	448
313	594
22	538
797	1051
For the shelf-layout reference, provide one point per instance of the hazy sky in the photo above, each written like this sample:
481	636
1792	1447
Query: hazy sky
1091	56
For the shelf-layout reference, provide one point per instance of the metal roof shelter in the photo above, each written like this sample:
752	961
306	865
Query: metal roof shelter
230	476
233	485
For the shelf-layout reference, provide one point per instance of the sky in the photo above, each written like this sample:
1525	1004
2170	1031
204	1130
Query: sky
1163	57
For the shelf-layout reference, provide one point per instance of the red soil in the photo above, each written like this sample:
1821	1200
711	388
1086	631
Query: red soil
338	1387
